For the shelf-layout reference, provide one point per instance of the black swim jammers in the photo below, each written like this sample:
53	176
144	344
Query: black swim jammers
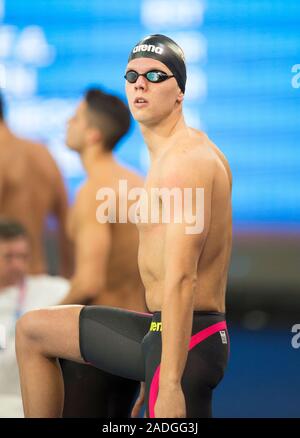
128	344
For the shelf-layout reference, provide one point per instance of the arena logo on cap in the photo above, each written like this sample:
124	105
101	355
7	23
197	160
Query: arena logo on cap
148	48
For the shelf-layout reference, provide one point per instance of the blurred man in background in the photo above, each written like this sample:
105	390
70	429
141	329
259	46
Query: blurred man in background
106	270
31	189
19	292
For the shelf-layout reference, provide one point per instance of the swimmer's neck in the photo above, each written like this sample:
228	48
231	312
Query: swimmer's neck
163	135
94	158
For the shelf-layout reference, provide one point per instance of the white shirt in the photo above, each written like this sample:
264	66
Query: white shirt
39	291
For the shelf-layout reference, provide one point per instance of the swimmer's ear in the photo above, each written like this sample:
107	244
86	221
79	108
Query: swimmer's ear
94	136
180	97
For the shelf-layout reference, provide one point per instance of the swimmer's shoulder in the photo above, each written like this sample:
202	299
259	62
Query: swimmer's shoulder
187	159
209	151
10	151
38	151
42	162
195	156
114	173
133	178
108	179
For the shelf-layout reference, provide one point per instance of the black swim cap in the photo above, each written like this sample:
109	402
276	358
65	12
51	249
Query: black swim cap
165	50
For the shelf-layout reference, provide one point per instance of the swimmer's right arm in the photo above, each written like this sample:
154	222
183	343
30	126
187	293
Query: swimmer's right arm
92	247
92	241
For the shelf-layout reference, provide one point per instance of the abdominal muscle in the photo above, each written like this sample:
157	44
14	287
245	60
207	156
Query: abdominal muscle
208	298
209	294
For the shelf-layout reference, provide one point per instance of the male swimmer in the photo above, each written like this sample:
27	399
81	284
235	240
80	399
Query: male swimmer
31	189
180	350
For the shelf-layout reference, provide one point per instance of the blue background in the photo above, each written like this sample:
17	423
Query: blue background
248	106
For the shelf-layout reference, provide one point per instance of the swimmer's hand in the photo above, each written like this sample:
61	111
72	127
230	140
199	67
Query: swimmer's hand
139	402
170	403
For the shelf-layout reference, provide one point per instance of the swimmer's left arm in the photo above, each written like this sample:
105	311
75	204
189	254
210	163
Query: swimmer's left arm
92	245
92	250
181	256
